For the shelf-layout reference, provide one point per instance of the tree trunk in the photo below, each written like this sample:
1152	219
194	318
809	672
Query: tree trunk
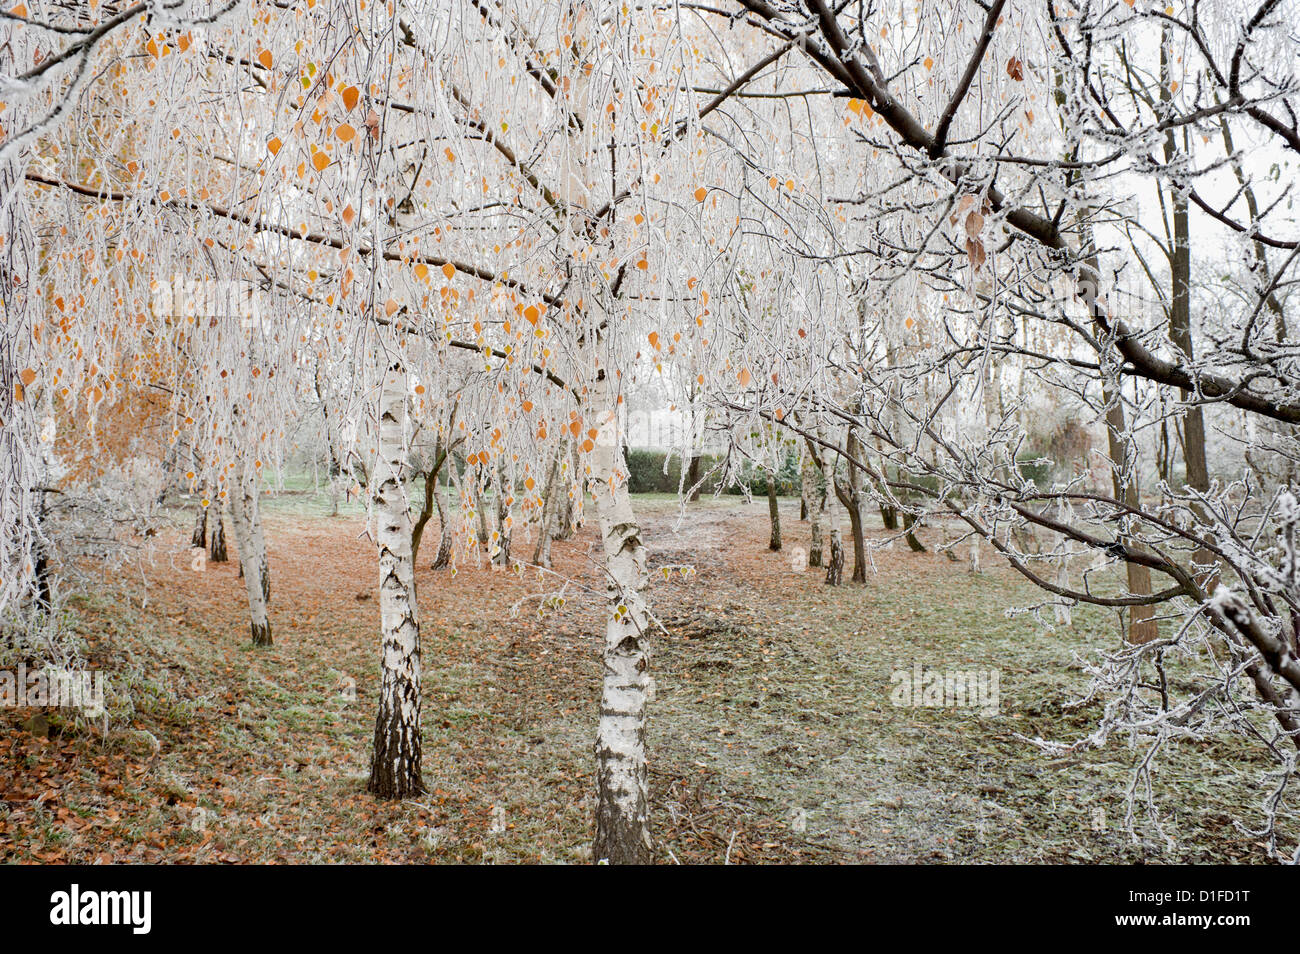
852	504
835	570
693	478
217	537
542	553
484	535
503	515
857	500
567	516
816	500
909	522
859	545
889	516
245	517
622	823
395	768
1142	627
199	538
443	559
773	513
1180	326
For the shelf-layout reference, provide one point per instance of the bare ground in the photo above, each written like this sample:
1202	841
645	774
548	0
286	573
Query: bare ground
773	737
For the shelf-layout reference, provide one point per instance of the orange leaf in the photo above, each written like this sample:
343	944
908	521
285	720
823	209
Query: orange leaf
351	96
345	132
320	161
700	193
449	271
744	377
274	146
265	58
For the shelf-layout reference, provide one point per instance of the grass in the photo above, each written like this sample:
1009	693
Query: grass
772	734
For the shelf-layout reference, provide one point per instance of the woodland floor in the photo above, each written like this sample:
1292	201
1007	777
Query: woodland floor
772	735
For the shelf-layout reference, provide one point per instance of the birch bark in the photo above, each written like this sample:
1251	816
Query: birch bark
622	822
395	767
246	517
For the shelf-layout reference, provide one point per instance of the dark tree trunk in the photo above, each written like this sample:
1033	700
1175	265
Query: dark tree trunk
1180	327
44	579
889	515
217	539
859	544
774	513
693	477
909	522
852	503
443	559
199	538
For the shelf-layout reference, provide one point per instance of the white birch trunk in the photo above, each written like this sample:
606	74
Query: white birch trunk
395	768
622	824
246	518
